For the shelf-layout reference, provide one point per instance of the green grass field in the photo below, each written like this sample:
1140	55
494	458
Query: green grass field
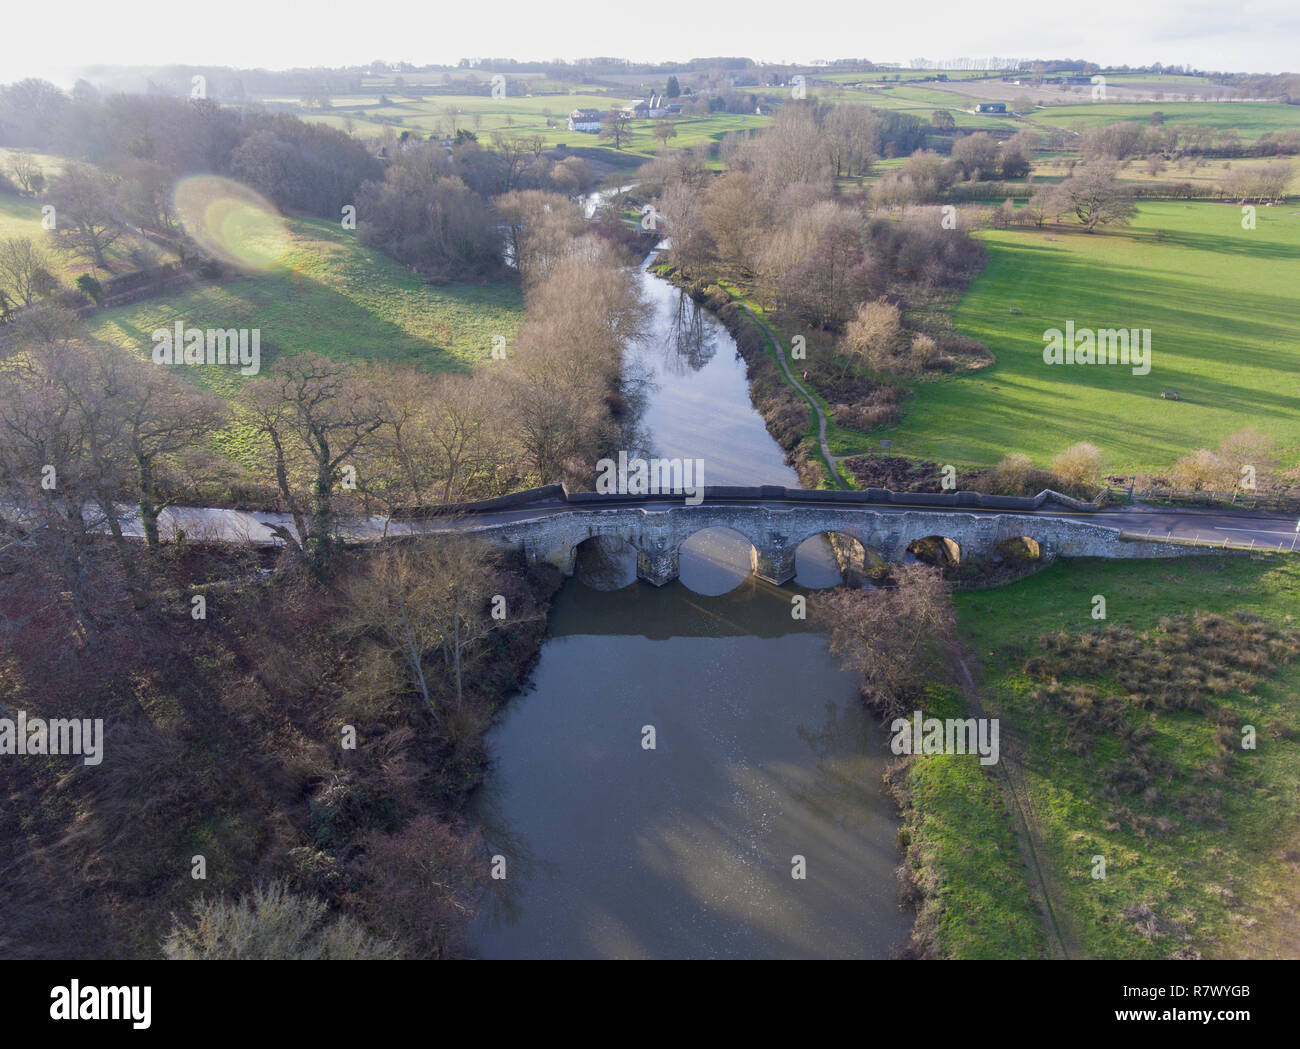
335	297
525	116
330	296
920	103
1249	119
1222	880
1219	300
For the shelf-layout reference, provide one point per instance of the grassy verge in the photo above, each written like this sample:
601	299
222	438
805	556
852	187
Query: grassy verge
962	868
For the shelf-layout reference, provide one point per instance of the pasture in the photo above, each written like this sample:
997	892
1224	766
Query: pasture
331	295
1220	303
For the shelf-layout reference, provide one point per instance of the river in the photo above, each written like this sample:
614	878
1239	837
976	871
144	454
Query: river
762	758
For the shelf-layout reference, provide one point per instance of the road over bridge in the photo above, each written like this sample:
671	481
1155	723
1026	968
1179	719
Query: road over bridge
549	524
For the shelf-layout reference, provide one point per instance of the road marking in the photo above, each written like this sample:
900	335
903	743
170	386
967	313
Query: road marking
1261	531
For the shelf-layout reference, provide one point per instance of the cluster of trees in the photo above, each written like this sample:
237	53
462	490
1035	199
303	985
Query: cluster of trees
1132	139
83	428
926	176
1093	196
1246	460
427	205
981	156
773	223
88	430
145	143
773	220
1259	182
1075	471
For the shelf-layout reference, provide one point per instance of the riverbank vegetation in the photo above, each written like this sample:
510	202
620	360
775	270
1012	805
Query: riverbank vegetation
896	352
277	737
298	728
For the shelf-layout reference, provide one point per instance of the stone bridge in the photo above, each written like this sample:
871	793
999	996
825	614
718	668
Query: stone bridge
775	533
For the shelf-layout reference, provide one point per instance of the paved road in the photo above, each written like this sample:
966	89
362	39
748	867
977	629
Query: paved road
1238	528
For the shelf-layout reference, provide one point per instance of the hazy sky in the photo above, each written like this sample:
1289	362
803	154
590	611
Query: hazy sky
53	39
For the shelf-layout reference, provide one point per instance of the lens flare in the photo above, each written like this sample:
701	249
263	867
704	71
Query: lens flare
231	222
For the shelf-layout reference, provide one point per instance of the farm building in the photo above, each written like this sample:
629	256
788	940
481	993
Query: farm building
650	109
991	107
585	120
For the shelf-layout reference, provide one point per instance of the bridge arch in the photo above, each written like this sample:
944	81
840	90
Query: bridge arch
605	561
715	560
938	550
1020	549
829	556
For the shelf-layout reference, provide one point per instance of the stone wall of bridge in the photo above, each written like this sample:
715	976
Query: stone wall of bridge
775	535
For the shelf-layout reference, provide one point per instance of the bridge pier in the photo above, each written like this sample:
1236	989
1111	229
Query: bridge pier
773	563
657	562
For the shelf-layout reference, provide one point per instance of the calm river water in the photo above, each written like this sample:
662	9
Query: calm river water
762	752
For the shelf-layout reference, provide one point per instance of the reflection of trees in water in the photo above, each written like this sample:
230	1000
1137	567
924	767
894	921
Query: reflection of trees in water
637	388
500	903
606	562
842	743
691	343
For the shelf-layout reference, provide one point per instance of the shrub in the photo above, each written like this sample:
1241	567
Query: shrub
272	924
91	288
1080	464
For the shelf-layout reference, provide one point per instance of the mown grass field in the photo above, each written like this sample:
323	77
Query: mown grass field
1226	880
1219	300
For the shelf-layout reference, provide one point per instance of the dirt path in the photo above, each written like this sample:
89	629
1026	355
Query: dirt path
1061	941
831	460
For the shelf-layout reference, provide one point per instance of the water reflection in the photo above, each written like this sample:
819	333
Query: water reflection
762	753
700	406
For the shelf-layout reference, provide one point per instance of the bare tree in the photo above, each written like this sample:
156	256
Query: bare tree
316	413
663	131
163	417
540	228
616	126
25	271
900	638
1096	197
875	337
87	220
426	599
26	170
